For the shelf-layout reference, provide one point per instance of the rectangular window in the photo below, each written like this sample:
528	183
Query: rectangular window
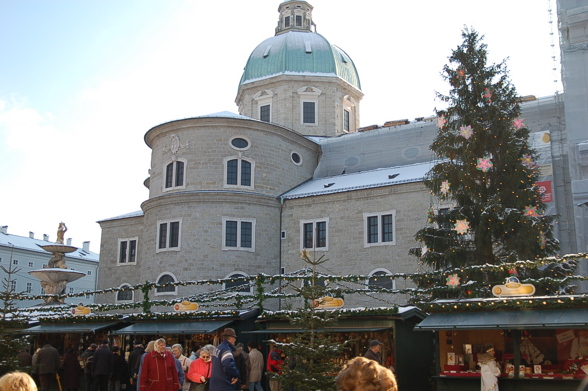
245	173
169	175
287	21
179	174
239	234
31	264
71	290
379	228
346	120
239	172
298	20
168	235
308	112
89	272
29	287
127	250
13	286
15	261
264	113
314	234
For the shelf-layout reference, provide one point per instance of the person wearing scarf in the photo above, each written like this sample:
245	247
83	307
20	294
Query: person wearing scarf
158	370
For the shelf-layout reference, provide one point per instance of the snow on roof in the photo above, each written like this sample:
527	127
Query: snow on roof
31	244
137	213
360	180
224	114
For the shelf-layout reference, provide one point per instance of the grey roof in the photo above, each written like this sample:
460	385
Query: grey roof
360	180
26	243
137	213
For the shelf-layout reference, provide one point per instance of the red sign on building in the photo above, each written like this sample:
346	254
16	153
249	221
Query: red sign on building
545	190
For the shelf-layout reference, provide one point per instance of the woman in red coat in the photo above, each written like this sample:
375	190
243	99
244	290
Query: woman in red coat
158	371
201	369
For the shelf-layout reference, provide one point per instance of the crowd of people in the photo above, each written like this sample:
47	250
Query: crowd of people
229	366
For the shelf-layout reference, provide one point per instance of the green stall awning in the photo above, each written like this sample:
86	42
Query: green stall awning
67	328
333	330
523	319
187	327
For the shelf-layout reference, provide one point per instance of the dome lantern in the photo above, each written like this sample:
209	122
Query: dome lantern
295	16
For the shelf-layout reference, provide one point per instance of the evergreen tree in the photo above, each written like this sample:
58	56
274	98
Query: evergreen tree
311	356
10	324
490	210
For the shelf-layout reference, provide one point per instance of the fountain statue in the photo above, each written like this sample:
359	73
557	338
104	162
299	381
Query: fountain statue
55	276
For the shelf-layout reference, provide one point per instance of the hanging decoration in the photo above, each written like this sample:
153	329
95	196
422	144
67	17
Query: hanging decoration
462	227
518	123
531	211
441	121
487	95
485	163
466	132
453	281
424	250
528	162
445	187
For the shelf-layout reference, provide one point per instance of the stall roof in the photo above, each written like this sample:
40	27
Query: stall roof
523	319
329	330
67	328
186	327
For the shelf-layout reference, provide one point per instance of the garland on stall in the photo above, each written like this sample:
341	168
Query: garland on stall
231	297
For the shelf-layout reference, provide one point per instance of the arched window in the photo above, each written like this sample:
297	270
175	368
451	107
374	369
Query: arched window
163	279
239	172
124	295
175	175
234	283
377	279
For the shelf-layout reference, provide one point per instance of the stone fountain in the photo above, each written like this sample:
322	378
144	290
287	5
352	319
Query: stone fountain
55	276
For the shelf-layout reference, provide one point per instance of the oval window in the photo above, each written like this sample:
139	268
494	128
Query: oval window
296	158
239	143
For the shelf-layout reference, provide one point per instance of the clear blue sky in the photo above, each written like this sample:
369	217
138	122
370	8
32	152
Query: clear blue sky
82	81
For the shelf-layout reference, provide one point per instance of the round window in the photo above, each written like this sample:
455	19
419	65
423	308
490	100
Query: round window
296	158
239	143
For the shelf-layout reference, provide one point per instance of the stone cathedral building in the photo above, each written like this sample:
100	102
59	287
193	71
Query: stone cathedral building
242	194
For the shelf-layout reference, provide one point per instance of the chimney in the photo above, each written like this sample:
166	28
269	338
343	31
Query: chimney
31	235
68	241
46	237
86	246
4	229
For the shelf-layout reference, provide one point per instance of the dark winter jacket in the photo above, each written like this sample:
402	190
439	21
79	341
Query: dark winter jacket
223	368
370	354
120	369
102	361
71	371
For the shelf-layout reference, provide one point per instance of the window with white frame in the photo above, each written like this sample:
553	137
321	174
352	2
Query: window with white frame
175	175
71	291
124	295
168	235
13	285
238	234
29	287
166	278
127	251
379	228
309	105
314	234
346	121
348	114
238	279
378	279
264	105
239	172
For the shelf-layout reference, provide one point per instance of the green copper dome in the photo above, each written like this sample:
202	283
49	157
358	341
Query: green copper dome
299	53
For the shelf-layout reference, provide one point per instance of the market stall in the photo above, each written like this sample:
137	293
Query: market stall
540	343
411	354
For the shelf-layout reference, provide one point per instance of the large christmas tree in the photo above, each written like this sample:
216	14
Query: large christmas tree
487	207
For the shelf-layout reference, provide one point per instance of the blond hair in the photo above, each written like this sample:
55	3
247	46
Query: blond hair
150	346
17	381
362	374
